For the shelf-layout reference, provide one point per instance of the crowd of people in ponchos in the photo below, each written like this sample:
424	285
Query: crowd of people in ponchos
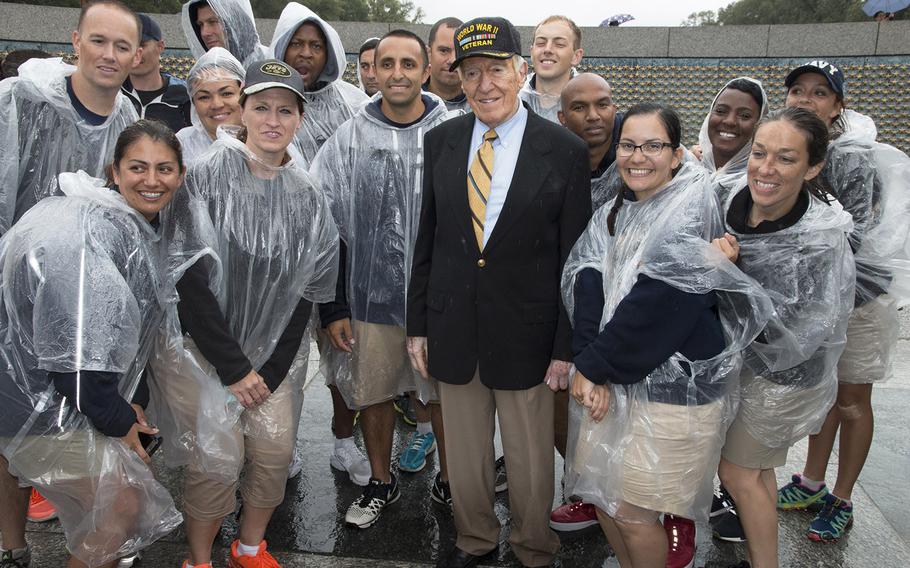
164	244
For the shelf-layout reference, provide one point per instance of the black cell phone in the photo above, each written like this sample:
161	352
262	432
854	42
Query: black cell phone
150	443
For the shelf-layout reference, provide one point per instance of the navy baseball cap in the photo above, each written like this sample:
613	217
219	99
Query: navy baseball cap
834	76
150	30
486	37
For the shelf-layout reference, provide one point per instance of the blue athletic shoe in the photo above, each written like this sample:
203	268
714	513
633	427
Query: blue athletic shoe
414	457
833	521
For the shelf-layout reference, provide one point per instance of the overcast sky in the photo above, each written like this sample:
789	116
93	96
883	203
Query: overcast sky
583	12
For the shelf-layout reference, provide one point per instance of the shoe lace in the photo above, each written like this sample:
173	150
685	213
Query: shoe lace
374	490
417	442
35	498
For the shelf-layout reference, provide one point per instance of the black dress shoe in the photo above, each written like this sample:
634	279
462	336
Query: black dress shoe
458	558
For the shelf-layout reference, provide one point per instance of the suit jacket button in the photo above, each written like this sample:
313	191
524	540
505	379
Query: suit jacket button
481	263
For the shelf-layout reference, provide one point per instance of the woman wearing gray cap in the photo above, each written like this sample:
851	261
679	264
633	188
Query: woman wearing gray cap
227	373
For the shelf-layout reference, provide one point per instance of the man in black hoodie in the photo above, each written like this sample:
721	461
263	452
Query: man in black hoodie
155	94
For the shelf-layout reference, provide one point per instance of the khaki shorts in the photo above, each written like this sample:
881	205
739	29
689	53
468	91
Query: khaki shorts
379	369
71	456
871	337
263	440
673	448
742	449
771	418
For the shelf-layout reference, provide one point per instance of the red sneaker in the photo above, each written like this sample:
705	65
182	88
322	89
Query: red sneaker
573	517
681	538
40	510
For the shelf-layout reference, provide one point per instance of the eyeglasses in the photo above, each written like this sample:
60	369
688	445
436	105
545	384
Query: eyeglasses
626	149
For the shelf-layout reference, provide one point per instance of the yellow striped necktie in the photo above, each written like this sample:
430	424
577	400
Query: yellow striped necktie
479	177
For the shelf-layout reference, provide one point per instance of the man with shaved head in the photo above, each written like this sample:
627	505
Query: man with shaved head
587	109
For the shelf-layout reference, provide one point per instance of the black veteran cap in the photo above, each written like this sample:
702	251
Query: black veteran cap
486	37
270	74
834	76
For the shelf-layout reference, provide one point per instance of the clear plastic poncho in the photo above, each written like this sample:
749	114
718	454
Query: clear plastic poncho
80	293
268	240
666	238
547	106
808	271
731	175
373	173
215	65
239	28
872	181
604	188
334	100
41	135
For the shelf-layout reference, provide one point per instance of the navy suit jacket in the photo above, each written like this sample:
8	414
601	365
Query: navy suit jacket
498	311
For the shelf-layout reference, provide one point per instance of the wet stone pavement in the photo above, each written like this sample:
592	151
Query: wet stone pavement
308	528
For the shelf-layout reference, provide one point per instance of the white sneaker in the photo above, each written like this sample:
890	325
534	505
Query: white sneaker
349	458
364	512
129	561
296	465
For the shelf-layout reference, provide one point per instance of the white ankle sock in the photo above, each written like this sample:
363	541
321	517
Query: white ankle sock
247	550
811	483
342	442
424	427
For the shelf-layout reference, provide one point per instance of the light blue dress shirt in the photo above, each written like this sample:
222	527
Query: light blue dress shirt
505	156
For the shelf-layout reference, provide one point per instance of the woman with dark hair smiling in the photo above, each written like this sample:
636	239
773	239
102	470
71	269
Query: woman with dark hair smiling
726	133
659	318
790	236
80	290
872	181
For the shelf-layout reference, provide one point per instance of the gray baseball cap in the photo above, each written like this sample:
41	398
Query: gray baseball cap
271	74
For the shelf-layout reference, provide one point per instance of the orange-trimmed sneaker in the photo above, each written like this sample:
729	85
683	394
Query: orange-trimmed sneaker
262	559
206	565
40	510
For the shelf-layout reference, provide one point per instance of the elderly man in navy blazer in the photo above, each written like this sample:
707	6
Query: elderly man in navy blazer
506	194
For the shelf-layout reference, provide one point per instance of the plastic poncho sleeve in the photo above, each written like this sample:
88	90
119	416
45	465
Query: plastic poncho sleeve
806	314
87	322
9	155
201	317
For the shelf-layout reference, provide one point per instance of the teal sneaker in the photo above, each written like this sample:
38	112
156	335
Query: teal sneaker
414	457
832	522
795	495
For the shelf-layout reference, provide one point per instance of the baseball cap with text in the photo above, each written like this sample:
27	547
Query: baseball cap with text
486	37
832	74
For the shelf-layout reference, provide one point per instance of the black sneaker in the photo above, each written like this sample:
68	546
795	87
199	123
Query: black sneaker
20	558
404	407
502	482
724	519
365	511
440	492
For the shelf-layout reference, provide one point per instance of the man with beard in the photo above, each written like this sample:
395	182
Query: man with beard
372	170
588	110
310	45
